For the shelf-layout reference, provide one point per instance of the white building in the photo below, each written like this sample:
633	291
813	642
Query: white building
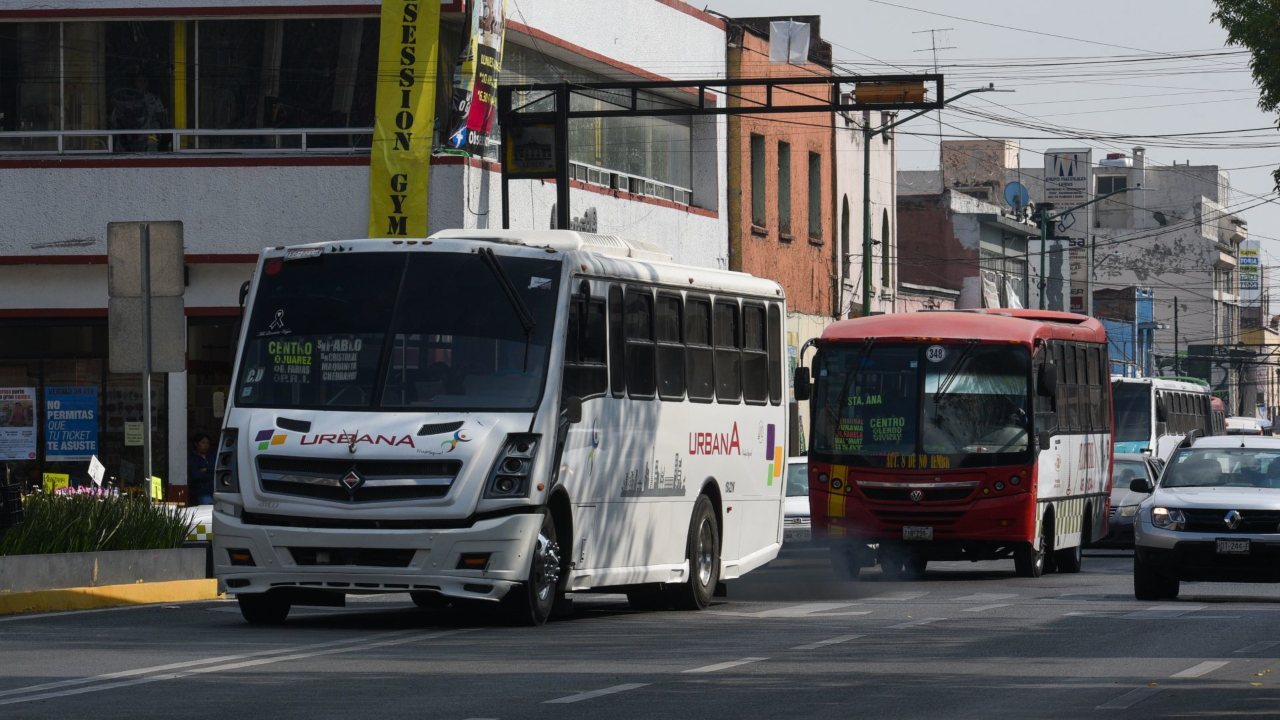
250	122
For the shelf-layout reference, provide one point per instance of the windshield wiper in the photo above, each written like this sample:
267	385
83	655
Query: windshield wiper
944	387
522	311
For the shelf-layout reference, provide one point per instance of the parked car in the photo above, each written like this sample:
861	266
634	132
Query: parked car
1214	515
795	519
1126	468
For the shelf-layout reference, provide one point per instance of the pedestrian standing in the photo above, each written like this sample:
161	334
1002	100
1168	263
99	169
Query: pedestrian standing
200	471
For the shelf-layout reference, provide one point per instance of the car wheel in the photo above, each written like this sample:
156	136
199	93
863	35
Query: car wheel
268	608
703	554
1148	584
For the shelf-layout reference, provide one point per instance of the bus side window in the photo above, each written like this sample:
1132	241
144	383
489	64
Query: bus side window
699	364
617	345
585	372
755	356
1046	419
671	363
728	343
775	354
640	355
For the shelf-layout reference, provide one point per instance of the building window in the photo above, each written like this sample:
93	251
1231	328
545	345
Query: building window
1110	183
757	180
784	189
815	196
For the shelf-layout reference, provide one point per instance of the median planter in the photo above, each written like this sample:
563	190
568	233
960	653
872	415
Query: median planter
71	581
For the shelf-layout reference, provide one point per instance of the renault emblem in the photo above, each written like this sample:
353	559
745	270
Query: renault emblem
1233	519
917	496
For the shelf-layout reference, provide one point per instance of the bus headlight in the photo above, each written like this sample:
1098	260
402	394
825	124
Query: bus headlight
509	477
226	474
1168	518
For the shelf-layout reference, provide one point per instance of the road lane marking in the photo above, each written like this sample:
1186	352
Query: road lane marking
594	693
986	597
1164	612
1259	646
725	665
901	596
187	669
982	608
915	623
801	610
1129	699
825	643
1202	669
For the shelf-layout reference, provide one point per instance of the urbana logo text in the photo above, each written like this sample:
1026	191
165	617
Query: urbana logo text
705	443
346	439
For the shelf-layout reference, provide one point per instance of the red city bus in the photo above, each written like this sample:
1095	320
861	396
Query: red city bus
959	435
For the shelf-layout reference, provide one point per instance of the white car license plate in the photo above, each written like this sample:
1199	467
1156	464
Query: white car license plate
1233	547
914	532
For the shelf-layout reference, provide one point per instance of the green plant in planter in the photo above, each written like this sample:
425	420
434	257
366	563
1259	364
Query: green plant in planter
92	521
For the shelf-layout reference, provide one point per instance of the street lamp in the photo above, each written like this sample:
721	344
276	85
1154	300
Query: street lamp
1046	219
867	135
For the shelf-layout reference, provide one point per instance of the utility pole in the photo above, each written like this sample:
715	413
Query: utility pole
867	135
1177	360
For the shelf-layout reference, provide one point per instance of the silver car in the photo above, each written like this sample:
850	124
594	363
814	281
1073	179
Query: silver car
795	522
1213	516
1126	468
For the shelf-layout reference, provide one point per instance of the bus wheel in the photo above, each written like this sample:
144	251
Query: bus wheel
892	561
915	564
1029	558
1069	559
266	608
846	563
530	602
703	553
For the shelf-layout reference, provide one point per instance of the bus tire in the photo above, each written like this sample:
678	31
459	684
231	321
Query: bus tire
531	602
268	608
915	564
702	550
1029	559
1069	559
846	564
1151	585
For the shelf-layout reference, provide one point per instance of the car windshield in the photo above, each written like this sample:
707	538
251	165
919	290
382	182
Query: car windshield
940	405
1125	472
1131	403
371	331
797	479
1223	467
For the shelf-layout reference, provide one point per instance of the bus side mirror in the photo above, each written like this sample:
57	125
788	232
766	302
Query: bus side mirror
803	386
244	294
571	410
1043	439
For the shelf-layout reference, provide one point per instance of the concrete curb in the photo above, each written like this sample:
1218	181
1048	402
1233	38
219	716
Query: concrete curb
103	596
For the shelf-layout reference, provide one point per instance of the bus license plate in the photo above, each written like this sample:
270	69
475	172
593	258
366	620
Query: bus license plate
910	532
1233	547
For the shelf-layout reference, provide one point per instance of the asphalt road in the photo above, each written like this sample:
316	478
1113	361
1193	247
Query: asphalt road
966	641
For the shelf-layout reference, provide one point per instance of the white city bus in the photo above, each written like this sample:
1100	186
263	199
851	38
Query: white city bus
499	416
1153	414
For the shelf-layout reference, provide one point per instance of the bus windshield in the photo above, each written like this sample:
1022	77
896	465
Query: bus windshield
1132	408
398	331
953	405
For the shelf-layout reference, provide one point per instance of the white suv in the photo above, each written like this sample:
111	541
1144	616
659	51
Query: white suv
1214	515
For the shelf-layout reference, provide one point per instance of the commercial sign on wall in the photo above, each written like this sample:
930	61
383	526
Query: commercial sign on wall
17	423
1250	273
70	423
1068	182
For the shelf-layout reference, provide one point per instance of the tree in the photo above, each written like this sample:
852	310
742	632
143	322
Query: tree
1252	24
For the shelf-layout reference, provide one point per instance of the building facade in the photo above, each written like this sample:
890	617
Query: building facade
251	123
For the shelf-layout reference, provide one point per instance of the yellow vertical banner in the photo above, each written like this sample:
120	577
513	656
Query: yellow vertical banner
404	119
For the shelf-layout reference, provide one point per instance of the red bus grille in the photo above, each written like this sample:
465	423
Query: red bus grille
901	517
951	494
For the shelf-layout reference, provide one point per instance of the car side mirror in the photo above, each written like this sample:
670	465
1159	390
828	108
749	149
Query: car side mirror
803	385
1141	485
571	410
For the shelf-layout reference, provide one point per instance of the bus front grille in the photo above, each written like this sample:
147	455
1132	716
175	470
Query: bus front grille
903	494
367	557
356	481
907	517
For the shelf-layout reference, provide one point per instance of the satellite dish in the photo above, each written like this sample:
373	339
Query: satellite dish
1015	193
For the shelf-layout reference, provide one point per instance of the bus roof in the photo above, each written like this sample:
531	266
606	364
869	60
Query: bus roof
990	325
1163	383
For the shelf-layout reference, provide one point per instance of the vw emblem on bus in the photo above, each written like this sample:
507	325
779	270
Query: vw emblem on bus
917	496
